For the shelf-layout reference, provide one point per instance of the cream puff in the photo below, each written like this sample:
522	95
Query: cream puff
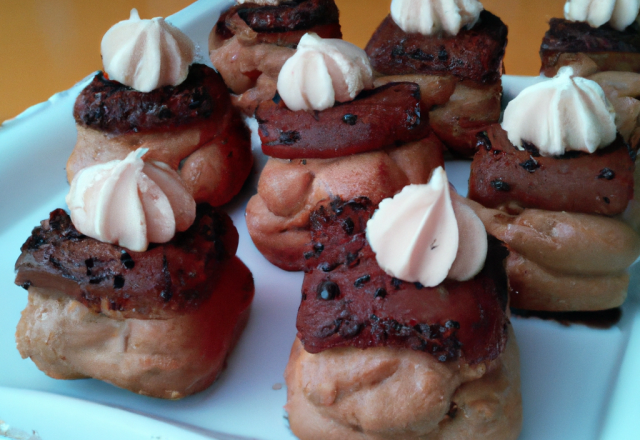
159	100
252	40
557	177
403	328
592	38
455	55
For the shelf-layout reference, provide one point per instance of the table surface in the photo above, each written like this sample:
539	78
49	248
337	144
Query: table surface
47	46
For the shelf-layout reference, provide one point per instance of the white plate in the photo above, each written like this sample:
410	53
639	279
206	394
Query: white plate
577	382
50	416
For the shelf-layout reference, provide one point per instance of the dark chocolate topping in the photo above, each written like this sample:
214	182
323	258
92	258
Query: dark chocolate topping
290	15
114	108
166	279
597	183
574	36
387	116
348	300
474	54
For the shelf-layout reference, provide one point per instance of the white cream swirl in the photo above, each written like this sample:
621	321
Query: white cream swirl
564	113
425	235
323	71
130	203
434	17
618	13
146	54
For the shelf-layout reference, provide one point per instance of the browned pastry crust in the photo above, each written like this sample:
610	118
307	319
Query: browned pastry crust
165	281
567	41
250	43
459	76
387	393
168	358
378	118
562	261
475	54
192	127
288	191
504	176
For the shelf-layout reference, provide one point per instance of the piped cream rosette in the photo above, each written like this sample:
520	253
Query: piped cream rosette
427	234
323	71
619	14
434	17
146	54
562	114
130	202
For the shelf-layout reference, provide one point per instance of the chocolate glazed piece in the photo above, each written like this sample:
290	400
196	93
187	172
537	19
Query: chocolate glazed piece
598	183
113	108
387	116
474	54
282	24
290	16
575	36
166	280
348	300
609	48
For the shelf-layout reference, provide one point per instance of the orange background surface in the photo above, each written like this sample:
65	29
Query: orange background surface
48	45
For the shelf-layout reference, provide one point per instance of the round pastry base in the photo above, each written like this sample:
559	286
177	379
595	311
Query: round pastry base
166	358
386	393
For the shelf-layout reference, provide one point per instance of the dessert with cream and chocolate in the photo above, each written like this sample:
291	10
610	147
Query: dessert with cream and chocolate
253	39
556	178
454	54
331	134
138	287
405	305
157	98
593	36
600	41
